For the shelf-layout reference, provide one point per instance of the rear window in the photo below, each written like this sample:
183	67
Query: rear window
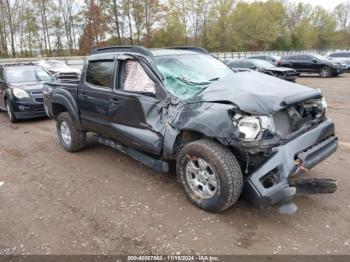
100	73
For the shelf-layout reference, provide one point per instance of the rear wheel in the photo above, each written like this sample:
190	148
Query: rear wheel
10	112
71	137
210	175
326	71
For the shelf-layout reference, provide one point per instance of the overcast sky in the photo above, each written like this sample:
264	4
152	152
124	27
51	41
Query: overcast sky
327	4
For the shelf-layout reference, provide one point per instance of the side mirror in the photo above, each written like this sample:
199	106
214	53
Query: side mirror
252	68
314	60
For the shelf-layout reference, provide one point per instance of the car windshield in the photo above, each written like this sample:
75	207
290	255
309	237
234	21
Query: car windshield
187	75
263	64
56	64
21	75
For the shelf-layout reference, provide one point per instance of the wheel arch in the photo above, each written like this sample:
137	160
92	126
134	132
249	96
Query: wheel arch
177	140
64	102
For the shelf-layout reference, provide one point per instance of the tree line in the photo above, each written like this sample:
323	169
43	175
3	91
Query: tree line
73	27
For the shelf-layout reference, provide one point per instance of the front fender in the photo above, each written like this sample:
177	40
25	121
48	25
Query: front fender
65	99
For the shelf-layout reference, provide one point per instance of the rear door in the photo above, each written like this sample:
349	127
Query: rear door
140	107
310	63
95	96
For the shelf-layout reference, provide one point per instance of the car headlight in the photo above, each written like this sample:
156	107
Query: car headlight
252	126
20	93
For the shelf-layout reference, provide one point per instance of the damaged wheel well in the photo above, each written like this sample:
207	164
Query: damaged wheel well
185	137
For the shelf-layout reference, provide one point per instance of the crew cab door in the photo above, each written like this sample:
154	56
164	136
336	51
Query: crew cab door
310	64
95	96
139	116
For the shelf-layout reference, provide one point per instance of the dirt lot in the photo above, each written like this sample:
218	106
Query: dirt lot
99	201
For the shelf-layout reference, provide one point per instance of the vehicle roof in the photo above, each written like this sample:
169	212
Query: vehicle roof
154	51
337	52
165	52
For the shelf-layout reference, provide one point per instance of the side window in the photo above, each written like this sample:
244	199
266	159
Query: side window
135	79
100	73
306	57
234	64
247	64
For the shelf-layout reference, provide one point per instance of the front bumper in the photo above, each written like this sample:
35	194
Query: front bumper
310	148
339	70
28	110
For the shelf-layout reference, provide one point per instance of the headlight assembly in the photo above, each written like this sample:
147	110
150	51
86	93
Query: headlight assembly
20	93
249	126
252	126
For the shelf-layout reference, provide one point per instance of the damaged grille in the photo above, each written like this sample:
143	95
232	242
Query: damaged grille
291	119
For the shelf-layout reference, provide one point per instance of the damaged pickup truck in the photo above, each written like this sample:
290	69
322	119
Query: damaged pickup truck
231	134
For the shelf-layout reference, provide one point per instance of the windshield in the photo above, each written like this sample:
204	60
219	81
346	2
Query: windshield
21	75
263	64
56	64
186	75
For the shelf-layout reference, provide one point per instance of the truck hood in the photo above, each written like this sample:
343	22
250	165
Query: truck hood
256	93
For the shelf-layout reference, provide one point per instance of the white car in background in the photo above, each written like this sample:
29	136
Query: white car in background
60	69
341	56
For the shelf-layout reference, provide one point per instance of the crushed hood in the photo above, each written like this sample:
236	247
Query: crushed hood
255	93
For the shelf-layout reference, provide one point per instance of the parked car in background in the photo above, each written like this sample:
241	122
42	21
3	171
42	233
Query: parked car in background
21	88
229	133
313	63
273	59
60	69
263	67
342	57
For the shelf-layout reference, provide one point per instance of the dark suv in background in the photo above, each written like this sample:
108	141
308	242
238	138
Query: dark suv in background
313	63
21	88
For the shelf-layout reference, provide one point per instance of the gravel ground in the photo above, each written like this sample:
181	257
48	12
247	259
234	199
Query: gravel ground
99	201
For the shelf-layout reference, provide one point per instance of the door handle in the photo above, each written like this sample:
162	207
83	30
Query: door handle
114	100
83	95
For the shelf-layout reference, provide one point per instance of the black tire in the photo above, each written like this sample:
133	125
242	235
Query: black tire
77	136
325	72
225	167
10	112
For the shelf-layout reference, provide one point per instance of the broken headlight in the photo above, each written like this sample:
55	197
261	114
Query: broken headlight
251	127
318	107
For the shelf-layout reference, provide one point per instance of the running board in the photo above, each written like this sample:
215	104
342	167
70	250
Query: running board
156	164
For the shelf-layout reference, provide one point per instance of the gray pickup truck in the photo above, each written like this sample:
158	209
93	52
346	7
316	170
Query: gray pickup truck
231	134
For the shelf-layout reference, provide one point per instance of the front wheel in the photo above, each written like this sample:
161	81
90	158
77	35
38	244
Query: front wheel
71	137
10	111
326	71
210	175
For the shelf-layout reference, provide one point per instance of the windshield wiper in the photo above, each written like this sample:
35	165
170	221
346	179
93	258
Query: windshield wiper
191	82
214	79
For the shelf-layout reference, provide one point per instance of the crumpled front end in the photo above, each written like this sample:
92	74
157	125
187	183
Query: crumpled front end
269	185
